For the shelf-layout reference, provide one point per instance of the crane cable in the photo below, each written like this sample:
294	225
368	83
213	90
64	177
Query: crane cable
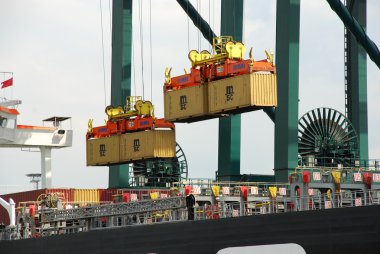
150	47
188	28
198	38
209	21
134	69
141	48
104	68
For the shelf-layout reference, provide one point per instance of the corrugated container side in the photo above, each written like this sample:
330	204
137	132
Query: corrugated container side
164	144
107	195
251	90
85	196
264	89
147	144
136	146
186	103
103	151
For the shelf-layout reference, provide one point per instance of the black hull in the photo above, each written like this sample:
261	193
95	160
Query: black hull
344	230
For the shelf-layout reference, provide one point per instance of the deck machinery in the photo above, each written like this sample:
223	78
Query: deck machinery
326	137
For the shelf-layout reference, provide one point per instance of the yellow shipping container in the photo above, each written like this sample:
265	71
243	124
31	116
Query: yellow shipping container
186	104
242	93
86	196
103	151
147	145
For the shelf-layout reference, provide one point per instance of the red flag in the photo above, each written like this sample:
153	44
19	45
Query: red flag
7	83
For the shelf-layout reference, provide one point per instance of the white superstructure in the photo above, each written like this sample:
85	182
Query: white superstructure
13	135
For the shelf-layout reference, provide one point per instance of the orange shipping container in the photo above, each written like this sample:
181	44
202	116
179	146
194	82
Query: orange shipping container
242	93
103	151
187	104
147	145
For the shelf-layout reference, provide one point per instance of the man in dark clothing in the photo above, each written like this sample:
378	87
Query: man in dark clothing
190	202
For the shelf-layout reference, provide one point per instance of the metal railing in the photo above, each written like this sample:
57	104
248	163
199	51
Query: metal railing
234	188
291	204
51	215
174	209
336	162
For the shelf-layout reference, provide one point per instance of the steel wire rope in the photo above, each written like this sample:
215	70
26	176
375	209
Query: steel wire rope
244	18
151	54
198	38
109	11
188	27
104	69
199	31
141	48
134	69
209	21
213	15
234	12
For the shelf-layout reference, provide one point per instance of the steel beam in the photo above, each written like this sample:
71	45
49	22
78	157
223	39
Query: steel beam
357	27
271	112
287	55
357	79
229	127
197	19
121	73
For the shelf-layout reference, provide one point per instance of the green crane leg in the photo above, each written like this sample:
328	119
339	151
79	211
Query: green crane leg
287	61
229	127
120	74
357	80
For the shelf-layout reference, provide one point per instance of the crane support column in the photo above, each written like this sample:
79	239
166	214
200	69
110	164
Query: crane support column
121	73
46	174
229	127
357	80
287	64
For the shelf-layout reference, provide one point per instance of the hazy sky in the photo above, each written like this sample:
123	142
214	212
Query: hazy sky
54	49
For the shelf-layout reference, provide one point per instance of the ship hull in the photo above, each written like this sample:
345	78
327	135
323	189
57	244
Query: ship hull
343	230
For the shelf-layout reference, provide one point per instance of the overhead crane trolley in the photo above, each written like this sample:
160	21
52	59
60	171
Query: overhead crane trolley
221	83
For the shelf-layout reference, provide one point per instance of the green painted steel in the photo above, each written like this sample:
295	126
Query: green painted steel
229	127
121	73
258	178
357	27
357	80
271	112
287	64
197	19
229	148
